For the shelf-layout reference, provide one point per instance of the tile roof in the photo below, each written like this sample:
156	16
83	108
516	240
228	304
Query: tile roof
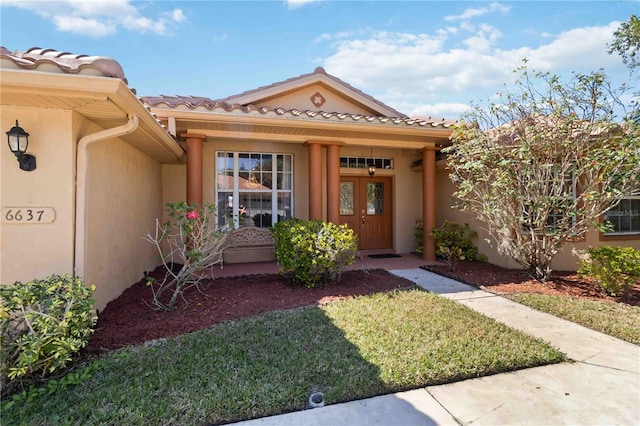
38	59
230	105
200	103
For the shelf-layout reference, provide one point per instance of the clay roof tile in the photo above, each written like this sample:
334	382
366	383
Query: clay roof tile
36	59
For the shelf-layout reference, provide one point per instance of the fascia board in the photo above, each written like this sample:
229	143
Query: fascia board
207	116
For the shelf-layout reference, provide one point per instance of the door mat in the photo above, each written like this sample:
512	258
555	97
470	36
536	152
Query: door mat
384	255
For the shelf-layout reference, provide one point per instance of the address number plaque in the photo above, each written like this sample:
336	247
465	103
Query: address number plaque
27	215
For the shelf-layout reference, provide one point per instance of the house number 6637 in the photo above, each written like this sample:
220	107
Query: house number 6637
28	215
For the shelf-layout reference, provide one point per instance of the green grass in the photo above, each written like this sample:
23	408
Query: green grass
615	319
270	363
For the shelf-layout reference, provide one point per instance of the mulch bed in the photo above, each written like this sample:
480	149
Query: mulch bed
499	280
130	319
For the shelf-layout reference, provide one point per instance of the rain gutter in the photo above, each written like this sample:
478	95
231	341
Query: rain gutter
82	188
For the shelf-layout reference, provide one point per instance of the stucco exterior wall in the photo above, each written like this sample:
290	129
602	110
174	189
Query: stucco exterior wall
125	198
567	260
33	250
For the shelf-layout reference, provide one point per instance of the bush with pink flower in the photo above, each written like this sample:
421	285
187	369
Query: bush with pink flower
189	238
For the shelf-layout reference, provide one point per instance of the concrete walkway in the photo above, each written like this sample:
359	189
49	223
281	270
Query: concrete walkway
601	386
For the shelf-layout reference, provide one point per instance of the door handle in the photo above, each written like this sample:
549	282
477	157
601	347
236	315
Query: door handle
363	219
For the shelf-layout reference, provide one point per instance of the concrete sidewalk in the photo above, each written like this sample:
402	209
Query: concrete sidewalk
601	387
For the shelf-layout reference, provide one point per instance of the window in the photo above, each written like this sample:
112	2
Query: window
625	216
364	162
253	188
565	190
553	192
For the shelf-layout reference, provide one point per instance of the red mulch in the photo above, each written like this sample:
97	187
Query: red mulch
499	280
130	320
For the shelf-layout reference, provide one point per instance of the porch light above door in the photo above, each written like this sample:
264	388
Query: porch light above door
18	141
372	164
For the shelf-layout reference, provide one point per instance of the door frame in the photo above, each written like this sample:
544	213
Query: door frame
355	221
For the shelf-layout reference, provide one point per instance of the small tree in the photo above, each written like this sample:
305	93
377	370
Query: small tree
627	42
191	239
541	165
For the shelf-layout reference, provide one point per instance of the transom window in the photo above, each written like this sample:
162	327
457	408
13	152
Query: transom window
253	188
364	162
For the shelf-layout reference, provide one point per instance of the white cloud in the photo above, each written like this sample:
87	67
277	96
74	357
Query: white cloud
483	39
99	18
83	26
295	4
475	12
417	73
577	49
178	16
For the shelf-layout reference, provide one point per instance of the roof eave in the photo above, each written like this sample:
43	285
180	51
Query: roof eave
93	87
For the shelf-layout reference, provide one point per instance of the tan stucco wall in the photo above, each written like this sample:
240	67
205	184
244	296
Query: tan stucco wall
124	200
301	100
567	260
29	251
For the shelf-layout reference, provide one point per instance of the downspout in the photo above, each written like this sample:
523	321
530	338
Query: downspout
79	266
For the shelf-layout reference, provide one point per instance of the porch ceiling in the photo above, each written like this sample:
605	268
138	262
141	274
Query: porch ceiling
300	130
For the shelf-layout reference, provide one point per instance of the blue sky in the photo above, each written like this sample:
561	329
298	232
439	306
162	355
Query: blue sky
423	58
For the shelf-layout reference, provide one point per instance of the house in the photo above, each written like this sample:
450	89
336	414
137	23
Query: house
107	161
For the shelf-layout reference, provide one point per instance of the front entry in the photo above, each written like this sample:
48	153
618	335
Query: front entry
365	206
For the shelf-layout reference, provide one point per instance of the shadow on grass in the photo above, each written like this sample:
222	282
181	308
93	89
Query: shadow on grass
265	365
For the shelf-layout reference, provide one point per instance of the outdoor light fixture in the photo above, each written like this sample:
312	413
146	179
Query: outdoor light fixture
372	165
18	141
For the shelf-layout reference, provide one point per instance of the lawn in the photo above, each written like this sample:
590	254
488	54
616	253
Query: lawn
615	319
270	363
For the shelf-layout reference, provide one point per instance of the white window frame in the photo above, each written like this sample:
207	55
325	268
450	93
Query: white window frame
233	200
573	189
631	213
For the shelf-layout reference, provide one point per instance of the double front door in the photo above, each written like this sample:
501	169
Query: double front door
365	206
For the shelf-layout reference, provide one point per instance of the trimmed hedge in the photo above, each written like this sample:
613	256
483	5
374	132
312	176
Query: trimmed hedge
313	253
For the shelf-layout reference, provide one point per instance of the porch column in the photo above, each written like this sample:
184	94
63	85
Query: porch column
333	183
428	202
315	180
194	167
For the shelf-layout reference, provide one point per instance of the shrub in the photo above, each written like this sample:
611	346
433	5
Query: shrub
614	268
43	323
190	238
454	242
313	253
418	233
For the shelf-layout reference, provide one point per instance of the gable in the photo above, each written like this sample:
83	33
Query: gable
317	91
316	97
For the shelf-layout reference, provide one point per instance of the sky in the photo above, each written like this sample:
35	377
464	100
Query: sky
423	58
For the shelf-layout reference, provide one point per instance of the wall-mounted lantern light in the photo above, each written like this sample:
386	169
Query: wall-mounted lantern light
18	141
372	165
